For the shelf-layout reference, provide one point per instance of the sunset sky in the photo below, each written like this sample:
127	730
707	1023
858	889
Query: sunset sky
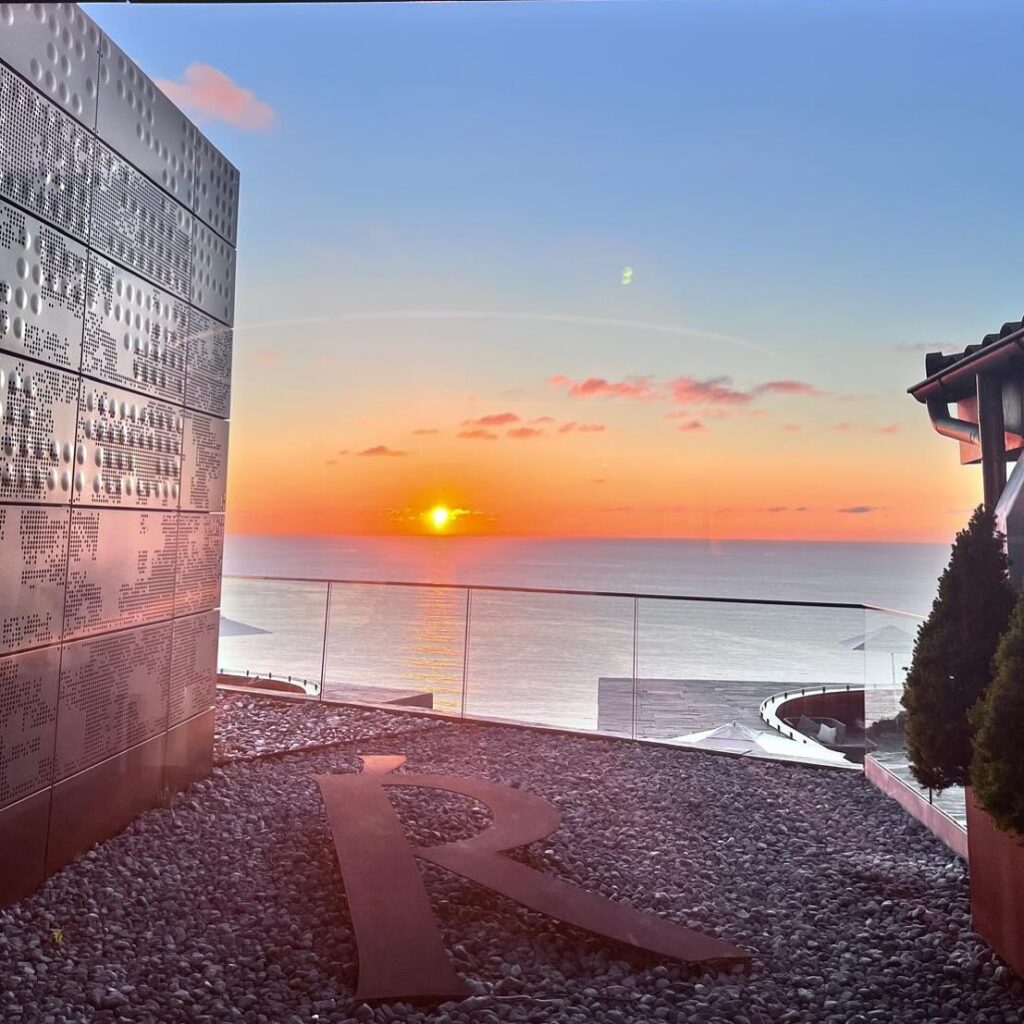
623	269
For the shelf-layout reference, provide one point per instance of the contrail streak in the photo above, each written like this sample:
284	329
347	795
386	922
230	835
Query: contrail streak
674	330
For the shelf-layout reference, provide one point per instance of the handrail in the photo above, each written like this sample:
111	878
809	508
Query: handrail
853	606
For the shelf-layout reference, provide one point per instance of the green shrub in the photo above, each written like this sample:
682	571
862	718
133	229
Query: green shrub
998	768
952	663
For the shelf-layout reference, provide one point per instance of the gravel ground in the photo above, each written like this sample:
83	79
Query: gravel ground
250	726
227	905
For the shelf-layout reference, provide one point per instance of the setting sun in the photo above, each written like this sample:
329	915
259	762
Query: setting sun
440	517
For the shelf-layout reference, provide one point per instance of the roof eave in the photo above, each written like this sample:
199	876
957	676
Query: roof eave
950	382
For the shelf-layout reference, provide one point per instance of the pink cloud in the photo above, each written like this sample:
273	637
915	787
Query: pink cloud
792	428
889	428
712	391
477	435
581	428
382	449
544	419
421	431
842	426
598	387
213	96
787	387
691	425
494	419
525	433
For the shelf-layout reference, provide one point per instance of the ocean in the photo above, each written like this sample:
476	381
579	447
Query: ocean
542	658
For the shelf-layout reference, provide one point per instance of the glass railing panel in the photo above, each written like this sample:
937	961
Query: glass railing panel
890	649
704	664
396	644
273	627
544	658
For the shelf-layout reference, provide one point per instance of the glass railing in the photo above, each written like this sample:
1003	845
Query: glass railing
889	647
640	665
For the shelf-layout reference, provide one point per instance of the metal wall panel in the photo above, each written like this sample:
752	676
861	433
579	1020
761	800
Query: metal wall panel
113	695
216	188
204	463
213	274
208	373
134	332
96	804
120	569
56	47
42	288
28	717
200	561
138	225
46	158
193	677
38	406
132	449
140	122
33	567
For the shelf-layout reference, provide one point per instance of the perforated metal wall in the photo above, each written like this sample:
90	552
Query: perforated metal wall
28	714
204	463
118	221
193	666
121	569
46	159
138	225
38	460
56	48
130	447
113	695
134	332
208	373
33	568
200	560
42	279
141	123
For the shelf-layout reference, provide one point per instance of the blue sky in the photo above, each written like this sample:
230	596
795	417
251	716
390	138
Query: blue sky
833	182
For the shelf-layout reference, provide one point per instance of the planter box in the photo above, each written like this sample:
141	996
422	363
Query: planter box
997	885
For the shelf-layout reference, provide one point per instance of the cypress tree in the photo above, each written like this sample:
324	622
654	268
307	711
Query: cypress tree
951	667
998	768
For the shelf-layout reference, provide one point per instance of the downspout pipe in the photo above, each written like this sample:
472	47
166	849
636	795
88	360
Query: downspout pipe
950	426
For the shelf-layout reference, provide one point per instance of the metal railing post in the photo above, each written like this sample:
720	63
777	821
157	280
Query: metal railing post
465	649
323	654
636	613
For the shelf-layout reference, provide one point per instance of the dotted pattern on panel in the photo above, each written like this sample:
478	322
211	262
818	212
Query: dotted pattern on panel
142	124
200	558
208	375
45	157
120	569
42	279
213	274
37	431
132	449
33	562
193	680
134	332
204	463
141	227
28	714
216	188
56	47
113	694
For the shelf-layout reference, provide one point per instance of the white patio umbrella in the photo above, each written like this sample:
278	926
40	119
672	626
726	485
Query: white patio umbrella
889	639
737	738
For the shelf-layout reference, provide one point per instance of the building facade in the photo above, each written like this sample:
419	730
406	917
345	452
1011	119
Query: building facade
117	260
